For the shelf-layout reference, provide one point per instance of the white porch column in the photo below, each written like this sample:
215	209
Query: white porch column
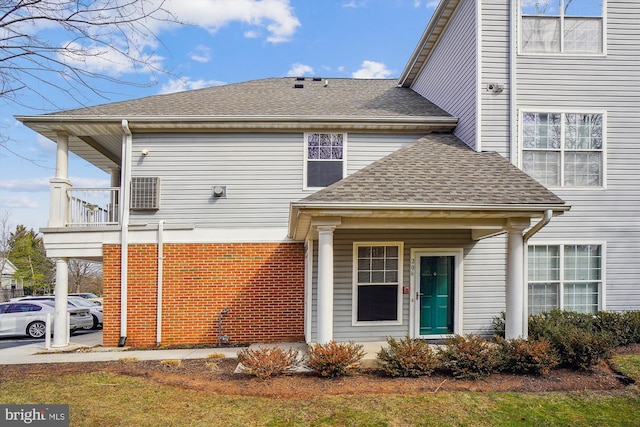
325	283
514	313
58	202
60	326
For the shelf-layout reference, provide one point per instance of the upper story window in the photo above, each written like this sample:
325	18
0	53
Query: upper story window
562	26
324	158
563	149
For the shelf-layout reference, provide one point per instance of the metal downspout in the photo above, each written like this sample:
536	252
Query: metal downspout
160	272
127	140
544	221
513	45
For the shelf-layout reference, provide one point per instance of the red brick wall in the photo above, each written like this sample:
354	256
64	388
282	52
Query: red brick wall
261	284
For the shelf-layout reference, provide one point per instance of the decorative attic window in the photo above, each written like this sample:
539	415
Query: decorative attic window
562	26
324	158
145	193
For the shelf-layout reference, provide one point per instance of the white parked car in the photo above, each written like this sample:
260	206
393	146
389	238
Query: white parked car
88	296
73	301
29	317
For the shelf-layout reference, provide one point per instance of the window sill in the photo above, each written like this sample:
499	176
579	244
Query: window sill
563	55
377	323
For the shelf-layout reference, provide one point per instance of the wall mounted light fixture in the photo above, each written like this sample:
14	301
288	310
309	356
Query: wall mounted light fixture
495	87
220	191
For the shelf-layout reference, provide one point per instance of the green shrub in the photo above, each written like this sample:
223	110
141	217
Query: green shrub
575	337
615	326
266	362
334	359
632	318
470	356
520	356
498	324
407	358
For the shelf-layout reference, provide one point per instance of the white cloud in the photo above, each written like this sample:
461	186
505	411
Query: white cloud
276	16
354	4
17	202
201	54
429	4
109	60
31	185
372	70
299	70
89	182
180	85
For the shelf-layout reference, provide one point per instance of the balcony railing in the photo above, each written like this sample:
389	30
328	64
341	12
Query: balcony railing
92	207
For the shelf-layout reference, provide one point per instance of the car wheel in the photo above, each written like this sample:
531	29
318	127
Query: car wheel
36	329
95	323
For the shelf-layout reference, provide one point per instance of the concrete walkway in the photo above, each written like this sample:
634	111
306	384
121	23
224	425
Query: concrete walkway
88	348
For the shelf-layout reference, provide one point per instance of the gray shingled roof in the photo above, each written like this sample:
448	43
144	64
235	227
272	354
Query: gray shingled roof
278	97
437	169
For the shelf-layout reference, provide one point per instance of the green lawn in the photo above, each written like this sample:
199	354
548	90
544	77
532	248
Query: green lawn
107	399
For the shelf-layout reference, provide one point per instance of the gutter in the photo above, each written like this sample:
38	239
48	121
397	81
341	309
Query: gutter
428	32
548	214
127	140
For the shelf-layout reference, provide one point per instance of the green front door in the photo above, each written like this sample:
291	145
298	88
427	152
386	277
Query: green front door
436	294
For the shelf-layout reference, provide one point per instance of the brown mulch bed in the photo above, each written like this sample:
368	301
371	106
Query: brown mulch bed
216	376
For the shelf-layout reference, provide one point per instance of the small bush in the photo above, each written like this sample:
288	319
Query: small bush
520	356
470	356
498	324
632	318
215	356
576	338
169	363
407	358
266	362
613	324
333	359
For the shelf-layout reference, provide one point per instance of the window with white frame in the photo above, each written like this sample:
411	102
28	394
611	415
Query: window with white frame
563	149
324	158
377	290
562	26
567	277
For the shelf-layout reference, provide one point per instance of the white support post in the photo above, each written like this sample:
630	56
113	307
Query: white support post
58	202
61	322
514	317
325	284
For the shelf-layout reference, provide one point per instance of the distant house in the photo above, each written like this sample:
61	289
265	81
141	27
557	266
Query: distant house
494	175
9	286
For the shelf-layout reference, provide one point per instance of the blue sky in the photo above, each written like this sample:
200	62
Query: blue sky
228	41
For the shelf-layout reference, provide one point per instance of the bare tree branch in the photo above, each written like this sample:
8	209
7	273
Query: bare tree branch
102	39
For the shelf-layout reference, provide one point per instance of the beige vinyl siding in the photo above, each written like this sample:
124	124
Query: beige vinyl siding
495	127
483	279
609	84
263	173
448	79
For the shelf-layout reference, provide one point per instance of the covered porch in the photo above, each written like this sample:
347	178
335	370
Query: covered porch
434	208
